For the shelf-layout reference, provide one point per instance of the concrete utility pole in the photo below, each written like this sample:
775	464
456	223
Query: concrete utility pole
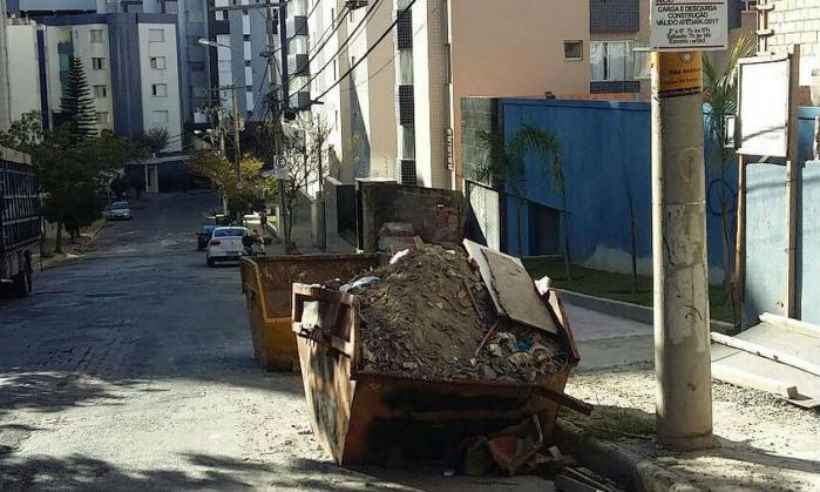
680	272
237	151
281	178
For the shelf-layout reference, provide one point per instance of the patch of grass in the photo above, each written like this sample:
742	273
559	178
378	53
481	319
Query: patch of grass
617	286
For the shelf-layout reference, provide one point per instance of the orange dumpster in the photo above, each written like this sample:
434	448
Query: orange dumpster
362	417
266	283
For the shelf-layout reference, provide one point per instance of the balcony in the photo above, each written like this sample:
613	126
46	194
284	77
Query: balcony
615	87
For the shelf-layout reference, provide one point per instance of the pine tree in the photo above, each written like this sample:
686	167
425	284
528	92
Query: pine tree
77	105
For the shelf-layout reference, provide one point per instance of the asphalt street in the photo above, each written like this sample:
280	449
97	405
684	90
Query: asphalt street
131	368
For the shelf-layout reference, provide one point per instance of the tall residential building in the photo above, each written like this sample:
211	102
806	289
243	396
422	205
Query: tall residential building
399	110
241	60
130	63
191	24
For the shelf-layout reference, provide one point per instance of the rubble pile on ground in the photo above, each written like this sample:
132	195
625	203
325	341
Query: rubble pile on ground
428	313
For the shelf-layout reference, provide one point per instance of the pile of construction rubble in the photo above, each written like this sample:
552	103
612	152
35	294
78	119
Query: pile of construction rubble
428	315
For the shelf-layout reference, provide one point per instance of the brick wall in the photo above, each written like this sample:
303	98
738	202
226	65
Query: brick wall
794	22
437	215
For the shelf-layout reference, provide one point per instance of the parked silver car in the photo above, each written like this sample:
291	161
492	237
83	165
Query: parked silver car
118	211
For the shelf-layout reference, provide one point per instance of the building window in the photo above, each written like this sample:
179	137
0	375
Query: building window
573	50
197	66
611	60
100	91
102	118
97	63
158	62
334	69
96	35
247	50
159	90
405	67
156	35
408	142
248	76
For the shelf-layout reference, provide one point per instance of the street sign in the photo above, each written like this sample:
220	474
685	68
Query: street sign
683	25
763	105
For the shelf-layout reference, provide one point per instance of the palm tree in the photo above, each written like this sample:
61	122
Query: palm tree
508	161
720	91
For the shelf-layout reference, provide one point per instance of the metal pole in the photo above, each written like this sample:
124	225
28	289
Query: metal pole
680	272
793	172
237	151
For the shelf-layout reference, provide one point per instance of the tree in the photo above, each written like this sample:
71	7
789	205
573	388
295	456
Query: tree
508	162
77	107
154	140
720	91
243	194
71	171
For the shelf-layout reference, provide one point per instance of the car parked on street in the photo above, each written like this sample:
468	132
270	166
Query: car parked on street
203	236
118	211
226	245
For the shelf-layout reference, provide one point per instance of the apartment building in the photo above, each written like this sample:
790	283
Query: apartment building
130	63
240	63
191	24
397	114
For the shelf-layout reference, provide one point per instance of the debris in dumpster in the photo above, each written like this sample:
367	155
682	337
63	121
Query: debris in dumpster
428	316
361	283
512	448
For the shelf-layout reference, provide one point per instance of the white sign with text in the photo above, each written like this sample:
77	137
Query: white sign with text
678	25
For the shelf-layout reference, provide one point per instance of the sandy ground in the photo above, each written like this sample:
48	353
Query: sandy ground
762	443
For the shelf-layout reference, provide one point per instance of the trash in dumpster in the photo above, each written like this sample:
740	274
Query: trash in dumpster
419	366
430	312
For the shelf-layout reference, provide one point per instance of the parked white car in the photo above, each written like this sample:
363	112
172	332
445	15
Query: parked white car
226	245
118	211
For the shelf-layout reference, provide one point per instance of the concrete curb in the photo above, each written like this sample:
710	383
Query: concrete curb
629	469
53	262
635	312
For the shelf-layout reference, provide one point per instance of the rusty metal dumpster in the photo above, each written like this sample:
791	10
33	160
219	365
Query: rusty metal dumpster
361	417
266	283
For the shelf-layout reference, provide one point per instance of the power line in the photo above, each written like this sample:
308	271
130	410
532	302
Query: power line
343	45
335	24
392	58
367	53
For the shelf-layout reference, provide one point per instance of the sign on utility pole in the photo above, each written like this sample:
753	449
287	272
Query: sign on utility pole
680	29
689	25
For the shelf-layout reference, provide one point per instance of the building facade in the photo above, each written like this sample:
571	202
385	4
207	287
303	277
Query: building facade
246	56
191	18
130	62
396	113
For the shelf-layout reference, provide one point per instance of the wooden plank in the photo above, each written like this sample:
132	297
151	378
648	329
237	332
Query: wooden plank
739	377
792	177
767	353
516	292
474	251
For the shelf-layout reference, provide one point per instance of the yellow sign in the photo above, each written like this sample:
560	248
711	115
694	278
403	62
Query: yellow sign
679	74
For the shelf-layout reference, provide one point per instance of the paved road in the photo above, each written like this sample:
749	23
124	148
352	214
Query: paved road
131	369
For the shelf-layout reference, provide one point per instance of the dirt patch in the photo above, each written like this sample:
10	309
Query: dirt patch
429	316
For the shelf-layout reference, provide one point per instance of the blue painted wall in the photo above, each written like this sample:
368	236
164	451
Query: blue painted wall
765	239
605	151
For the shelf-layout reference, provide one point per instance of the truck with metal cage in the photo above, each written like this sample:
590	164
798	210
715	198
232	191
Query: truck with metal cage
19	222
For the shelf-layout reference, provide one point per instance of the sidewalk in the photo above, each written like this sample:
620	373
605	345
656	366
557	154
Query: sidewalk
71	250
762	442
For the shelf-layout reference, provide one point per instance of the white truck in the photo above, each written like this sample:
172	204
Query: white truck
19	222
